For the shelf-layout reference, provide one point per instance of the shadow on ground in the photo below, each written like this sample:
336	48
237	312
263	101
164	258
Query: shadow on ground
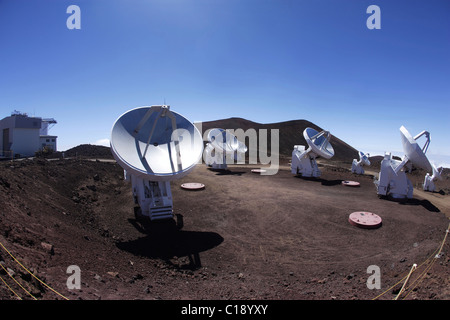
164	241
322	181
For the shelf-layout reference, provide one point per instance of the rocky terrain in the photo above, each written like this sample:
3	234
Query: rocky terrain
245	236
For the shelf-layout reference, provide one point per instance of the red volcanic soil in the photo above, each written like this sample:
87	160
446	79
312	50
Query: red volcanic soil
245	236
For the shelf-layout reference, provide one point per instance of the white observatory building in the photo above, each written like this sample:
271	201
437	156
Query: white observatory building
22	136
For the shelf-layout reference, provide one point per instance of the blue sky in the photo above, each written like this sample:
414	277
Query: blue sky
263	60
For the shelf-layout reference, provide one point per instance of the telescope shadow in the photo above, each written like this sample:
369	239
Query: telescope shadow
322	181
226	172
424	203
165	241
413	202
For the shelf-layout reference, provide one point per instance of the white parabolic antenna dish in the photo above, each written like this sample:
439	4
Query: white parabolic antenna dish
223	140
364	158
156	142
319	142
413	151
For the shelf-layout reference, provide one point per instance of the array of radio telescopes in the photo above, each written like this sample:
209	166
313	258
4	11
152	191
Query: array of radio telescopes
155	145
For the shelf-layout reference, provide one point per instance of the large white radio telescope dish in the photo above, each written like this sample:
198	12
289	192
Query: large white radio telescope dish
303	161
417	156
156	142
319	142
155	145
392	179
412	150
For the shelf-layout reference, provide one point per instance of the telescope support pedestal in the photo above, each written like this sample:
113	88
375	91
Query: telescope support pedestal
304	163
392	180
428	183
153	197
357	167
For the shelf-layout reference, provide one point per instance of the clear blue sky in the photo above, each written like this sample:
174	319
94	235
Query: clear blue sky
263	60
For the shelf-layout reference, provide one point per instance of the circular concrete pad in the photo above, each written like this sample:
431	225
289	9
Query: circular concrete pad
350	183
258	170
193	186
366	220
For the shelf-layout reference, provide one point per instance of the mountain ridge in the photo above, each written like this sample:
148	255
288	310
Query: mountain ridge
290	134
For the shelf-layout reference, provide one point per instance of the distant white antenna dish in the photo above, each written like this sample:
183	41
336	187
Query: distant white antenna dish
412	150
304	161
222	147
428	184
155	145
357	165
392	178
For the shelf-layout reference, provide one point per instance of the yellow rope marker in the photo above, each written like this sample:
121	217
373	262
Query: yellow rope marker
442	245
432	258
393	286
407	278
17	282
33	274
437	256
10	288
419	278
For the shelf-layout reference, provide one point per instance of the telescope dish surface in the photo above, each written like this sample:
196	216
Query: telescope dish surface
364	158
319	142
242	148
437	172
223	140
413	151
156	143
